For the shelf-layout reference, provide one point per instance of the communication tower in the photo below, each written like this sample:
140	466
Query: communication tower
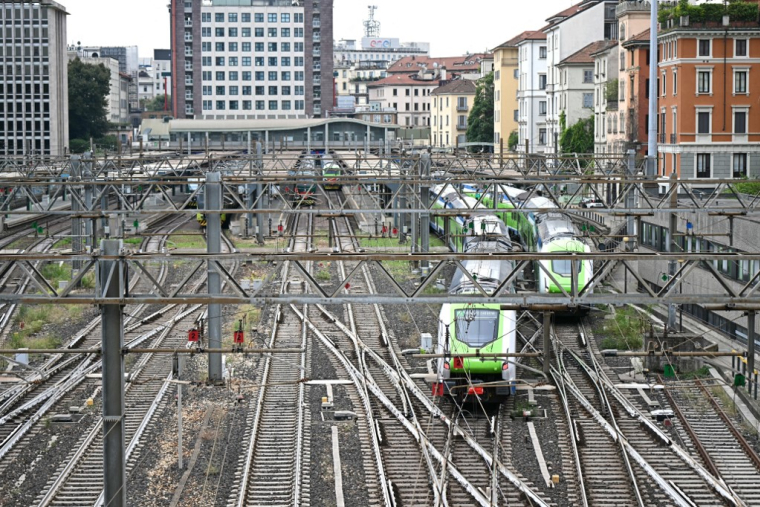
371	26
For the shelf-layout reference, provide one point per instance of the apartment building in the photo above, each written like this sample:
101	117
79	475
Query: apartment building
352	79
452	103
707	122
467	66
505	83
568	32
257	59
607	116
408	95
118	111
531	95
34	108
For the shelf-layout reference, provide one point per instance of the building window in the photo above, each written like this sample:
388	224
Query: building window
542	136
273	105
221	105
258	32
542	108
260	105
272	17
703	165
219	32
271	32
234	105
245	17
542	81
206	17
246	105
285	32
740	81
285	17
740	165
258	18
245	32
675	82
232	17
219	17
588	100
588	76
542	52
704	78
740	122
704	47
703	122
740	48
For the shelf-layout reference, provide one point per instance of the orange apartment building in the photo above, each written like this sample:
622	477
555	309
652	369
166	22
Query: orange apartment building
709	100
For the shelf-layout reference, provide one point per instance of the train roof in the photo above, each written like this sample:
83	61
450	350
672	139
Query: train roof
554	225
566	245
489	274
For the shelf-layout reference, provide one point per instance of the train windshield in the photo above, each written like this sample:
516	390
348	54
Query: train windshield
477	327
564	268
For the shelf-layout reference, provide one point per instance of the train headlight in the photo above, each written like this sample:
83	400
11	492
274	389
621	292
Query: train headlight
504	366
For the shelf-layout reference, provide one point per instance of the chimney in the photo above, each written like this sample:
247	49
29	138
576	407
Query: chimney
443	73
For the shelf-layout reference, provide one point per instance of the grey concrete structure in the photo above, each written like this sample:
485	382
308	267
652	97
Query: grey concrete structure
34	107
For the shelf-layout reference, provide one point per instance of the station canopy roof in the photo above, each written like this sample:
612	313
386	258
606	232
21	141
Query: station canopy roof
270	125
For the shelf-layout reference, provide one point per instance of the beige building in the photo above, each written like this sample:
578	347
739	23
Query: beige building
452	103
506	75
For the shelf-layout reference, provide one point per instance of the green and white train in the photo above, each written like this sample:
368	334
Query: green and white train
544	231
472	328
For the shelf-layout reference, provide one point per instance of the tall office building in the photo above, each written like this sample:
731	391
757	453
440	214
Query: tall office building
248	59
34	106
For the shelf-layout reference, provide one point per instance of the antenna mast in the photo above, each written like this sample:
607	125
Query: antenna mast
371	26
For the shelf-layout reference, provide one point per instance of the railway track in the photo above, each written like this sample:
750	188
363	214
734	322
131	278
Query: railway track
83	465
661	471
402	408
702	419
62	378
274	466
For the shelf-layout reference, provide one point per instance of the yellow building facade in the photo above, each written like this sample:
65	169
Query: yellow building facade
451	106
505	83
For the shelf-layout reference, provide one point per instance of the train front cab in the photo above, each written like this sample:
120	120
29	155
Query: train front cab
489	380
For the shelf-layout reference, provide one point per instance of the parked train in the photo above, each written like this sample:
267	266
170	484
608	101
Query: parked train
469	328
548	231
331	172
302	189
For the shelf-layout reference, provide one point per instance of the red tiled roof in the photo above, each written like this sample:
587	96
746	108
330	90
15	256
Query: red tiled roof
526	35
567	12
456	87
584	55
457	63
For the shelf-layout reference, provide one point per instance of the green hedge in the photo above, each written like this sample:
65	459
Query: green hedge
738	10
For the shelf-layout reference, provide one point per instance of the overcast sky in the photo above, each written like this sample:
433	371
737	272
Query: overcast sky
451	27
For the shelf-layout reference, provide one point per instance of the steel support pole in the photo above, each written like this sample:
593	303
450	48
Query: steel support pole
547	342
214	244
672	245
415	216
111	282
89	228
424	216
750	348
76	223
652	147
259	194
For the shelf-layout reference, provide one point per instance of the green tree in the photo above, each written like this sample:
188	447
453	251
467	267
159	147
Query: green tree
89	87
480	121
157	104
578	138
514	138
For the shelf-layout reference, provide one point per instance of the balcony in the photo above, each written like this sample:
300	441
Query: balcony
612	105
188	37
461	126
317	38
461	108
189	110
662	138
188	96
188	82
316	24
188	23
672	139
188	67
316	52
188	52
